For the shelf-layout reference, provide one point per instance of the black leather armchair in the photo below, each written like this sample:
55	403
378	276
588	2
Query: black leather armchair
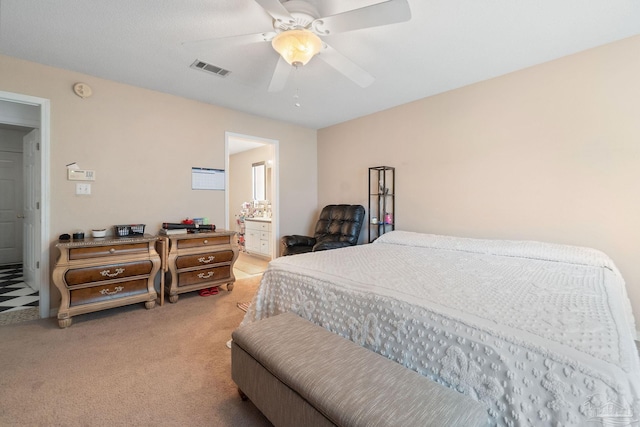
338	226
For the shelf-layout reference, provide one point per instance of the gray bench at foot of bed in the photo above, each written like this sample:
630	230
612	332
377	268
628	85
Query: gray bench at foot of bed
299	374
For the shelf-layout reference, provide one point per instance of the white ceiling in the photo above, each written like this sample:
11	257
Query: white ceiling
238	145
446	45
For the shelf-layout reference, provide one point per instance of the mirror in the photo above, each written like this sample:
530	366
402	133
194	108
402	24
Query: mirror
259	172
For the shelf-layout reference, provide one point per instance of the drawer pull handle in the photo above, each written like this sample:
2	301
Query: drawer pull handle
205	242
105	273
206	260
106	291
205	276
112	251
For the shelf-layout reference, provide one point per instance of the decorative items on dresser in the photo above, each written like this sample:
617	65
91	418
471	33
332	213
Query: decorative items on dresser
199	261
258	236
382	205
100	273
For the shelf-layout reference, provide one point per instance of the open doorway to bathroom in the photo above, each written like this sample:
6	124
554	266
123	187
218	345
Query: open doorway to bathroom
252	200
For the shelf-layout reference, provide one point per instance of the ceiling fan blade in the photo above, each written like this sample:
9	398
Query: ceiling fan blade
385	13
276	10
280	75
345	66
201	46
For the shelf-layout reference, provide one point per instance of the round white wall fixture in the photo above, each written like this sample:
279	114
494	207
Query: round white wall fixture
83	90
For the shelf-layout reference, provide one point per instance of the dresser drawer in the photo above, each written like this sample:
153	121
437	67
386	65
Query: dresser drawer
253	234
257	225
203	241
108	250
203	259
107	292
80	276
204	275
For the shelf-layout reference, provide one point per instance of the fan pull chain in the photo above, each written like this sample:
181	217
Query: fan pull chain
296	95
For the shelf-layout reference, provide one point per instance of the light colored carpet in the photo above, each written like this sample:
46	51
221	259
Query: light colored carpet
17	316
168	366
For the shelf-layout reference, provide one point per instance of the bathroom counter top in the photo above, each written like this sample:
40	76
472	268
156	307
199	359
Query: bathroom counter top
258	219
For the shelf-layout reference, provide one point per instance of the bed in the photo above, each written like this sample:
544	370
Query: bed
541	333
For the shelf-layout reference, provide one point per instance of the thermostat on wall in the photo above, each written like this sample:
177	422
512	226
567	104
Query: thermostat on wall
80	175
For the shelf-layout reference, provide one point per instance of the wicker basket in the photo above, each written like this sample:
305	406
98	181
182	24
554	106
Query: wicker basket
129	230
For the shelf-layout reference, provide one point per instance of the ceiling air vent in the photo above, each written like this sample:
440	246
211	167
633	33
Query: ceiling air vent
199	65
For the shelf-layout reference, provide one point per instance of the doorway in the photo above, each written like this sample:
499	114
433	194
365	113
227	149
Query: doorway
11	194
239	187
33	114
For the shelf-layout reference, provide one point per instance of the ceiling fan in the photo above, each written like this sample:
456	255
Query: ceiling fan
296	30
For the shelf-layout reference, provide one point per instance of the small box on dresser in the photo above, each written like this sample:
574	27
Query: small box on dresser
100	273
199	261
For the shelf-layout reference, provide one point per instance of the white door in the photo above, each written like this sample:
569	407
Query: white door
11	214
31	222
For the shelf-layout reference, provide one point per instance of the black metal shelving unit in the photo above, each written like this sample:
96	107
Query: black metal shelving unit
382	201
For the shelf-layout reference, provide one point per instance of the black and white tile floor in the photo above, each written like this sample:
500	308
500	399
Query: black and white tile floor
14	293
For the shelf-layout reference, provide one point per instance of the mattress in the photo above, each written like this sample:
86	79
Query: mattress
541	333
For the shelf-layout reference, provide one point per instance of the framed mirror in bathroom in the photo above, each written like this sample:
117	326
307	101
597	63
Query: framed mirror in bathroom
259	179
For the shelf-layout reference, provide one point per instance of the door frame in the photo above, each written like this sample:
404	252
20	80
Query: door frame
275	183
42	241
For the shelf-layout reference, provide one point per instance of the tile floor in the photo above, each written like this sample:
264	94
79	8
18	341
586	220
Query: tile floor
14	293
247	265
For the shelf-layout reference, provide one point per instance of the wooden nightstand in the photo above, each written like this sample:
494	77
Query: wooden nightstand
199	261
99	273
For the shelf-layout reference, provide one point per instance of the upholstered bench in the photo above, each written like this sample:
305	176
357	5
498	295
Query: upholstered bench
299	374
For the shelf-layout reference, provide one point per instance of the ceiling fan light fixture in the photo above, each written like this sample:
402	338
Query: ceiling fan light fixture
297	47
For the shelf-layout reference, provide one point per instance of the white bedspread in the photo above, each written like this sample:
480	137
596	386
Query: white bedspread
541	333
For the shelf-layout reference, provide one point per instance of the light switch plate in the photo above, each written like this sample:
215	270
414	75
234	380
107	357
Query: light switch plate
83	189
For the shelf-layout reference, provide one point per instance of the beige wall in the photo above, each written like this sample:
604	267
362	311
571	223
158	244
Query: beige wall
142	145
550	153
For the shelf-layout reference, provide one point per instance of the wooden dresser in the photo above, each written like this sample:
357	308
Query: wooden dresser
199	261
100	273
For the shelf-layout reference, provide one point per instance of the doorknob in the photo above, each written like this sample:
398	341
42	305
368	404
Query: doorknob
20	216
